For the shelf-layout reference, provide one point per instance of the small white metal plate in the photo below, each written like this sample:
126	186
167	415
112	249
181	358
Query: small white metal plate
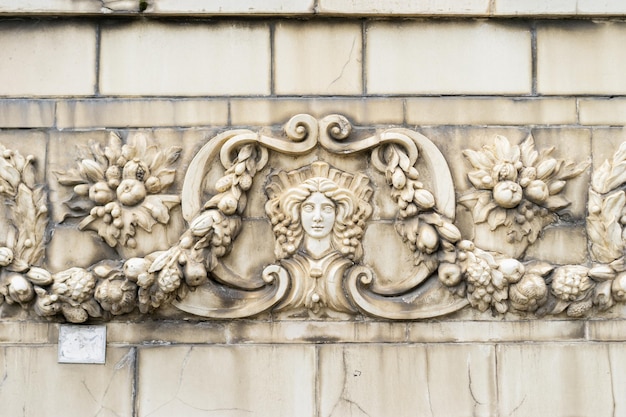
82	344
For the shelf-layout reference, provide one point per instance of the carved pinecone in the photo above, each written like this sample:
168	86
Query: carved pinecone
571	282
77	284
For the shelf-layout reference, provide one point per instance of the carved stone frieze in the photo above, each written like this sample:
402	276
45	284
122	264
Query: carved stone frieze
310	206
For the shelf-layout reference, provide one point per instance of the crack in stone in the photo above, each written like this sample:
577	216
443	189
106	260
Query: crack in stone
610	359
428	394
180	381
518	406
343	396
344	65
471	389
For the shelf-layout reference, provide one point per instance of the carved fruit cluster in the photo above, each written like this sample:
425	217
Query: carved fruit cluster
118	188
517	187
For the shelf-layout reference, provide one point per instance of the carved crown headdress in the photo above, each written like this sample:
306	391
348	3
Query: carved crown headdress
358	184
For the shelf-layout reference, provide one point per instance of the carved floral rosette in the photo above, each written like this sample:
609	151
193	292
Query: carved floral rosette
317	271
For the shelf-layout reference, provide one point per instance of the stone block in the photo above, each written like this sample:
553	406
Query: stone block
534	7
228	7
318	58
255	112
57	6
403	7
490	111
26	113
25	332
606	330
604	144
472	331
78	114
560	379
47	58
238	380
35	385
417	380
606	7
581	58
604	111
224	58
560	245
447	58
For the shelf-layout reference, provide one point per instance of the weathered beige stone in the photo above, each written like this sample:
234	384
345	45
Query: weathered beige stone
197	59
26	332
604	111
490	111
608	7
606	330
76	114
317	58
475	331
447	58
258	380
416	374
534	7
26	113
227	7
604	144
65	389
277	111
581	58
561	379
50	6
404	7
561	245
45	59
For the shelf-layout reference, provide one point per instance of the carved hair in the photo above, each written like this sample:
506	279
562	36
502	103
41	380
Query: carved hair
350	215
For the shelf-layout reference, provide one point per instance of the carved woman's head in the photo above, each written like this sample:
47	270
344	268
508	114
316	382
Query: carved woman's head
318	208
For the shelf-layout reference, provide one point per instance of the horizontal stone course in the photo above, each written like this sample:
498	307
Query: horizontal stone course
490	110
24	113
140	113
486	8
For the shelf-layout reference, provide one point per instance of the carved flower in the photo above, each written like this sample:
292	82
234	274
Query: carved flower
118	188
571	282
517	187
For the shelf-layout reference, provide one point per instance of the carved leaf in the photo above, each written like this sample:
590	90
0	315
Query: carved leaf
71	177
476	178
603	228
496	218
528	153
556	202
92	170
504	150
478	159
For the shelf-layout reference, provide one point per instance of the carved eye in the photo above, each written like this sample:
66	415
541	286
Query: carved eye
307	207
328	208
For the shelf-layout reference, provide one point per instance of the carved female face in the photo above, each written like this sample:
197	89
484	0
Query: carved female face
317	214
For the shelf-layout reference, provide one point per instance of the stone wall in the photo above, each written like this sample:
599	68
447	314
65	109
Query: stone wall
181	72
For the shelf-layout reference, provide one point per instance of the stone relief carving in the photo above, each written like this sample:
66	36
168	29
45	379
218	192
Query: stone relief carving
317	214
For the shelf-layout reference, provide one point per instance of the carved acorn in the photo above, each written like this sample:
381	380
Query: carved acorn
20	289
6	256
39	276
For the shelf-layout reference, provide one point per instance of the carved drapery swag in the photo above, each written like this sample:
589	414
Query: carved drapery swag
317	214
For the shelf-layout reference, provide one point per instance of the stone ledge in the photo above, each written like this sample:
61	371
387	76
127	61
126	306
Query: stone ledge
318	332
344	8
